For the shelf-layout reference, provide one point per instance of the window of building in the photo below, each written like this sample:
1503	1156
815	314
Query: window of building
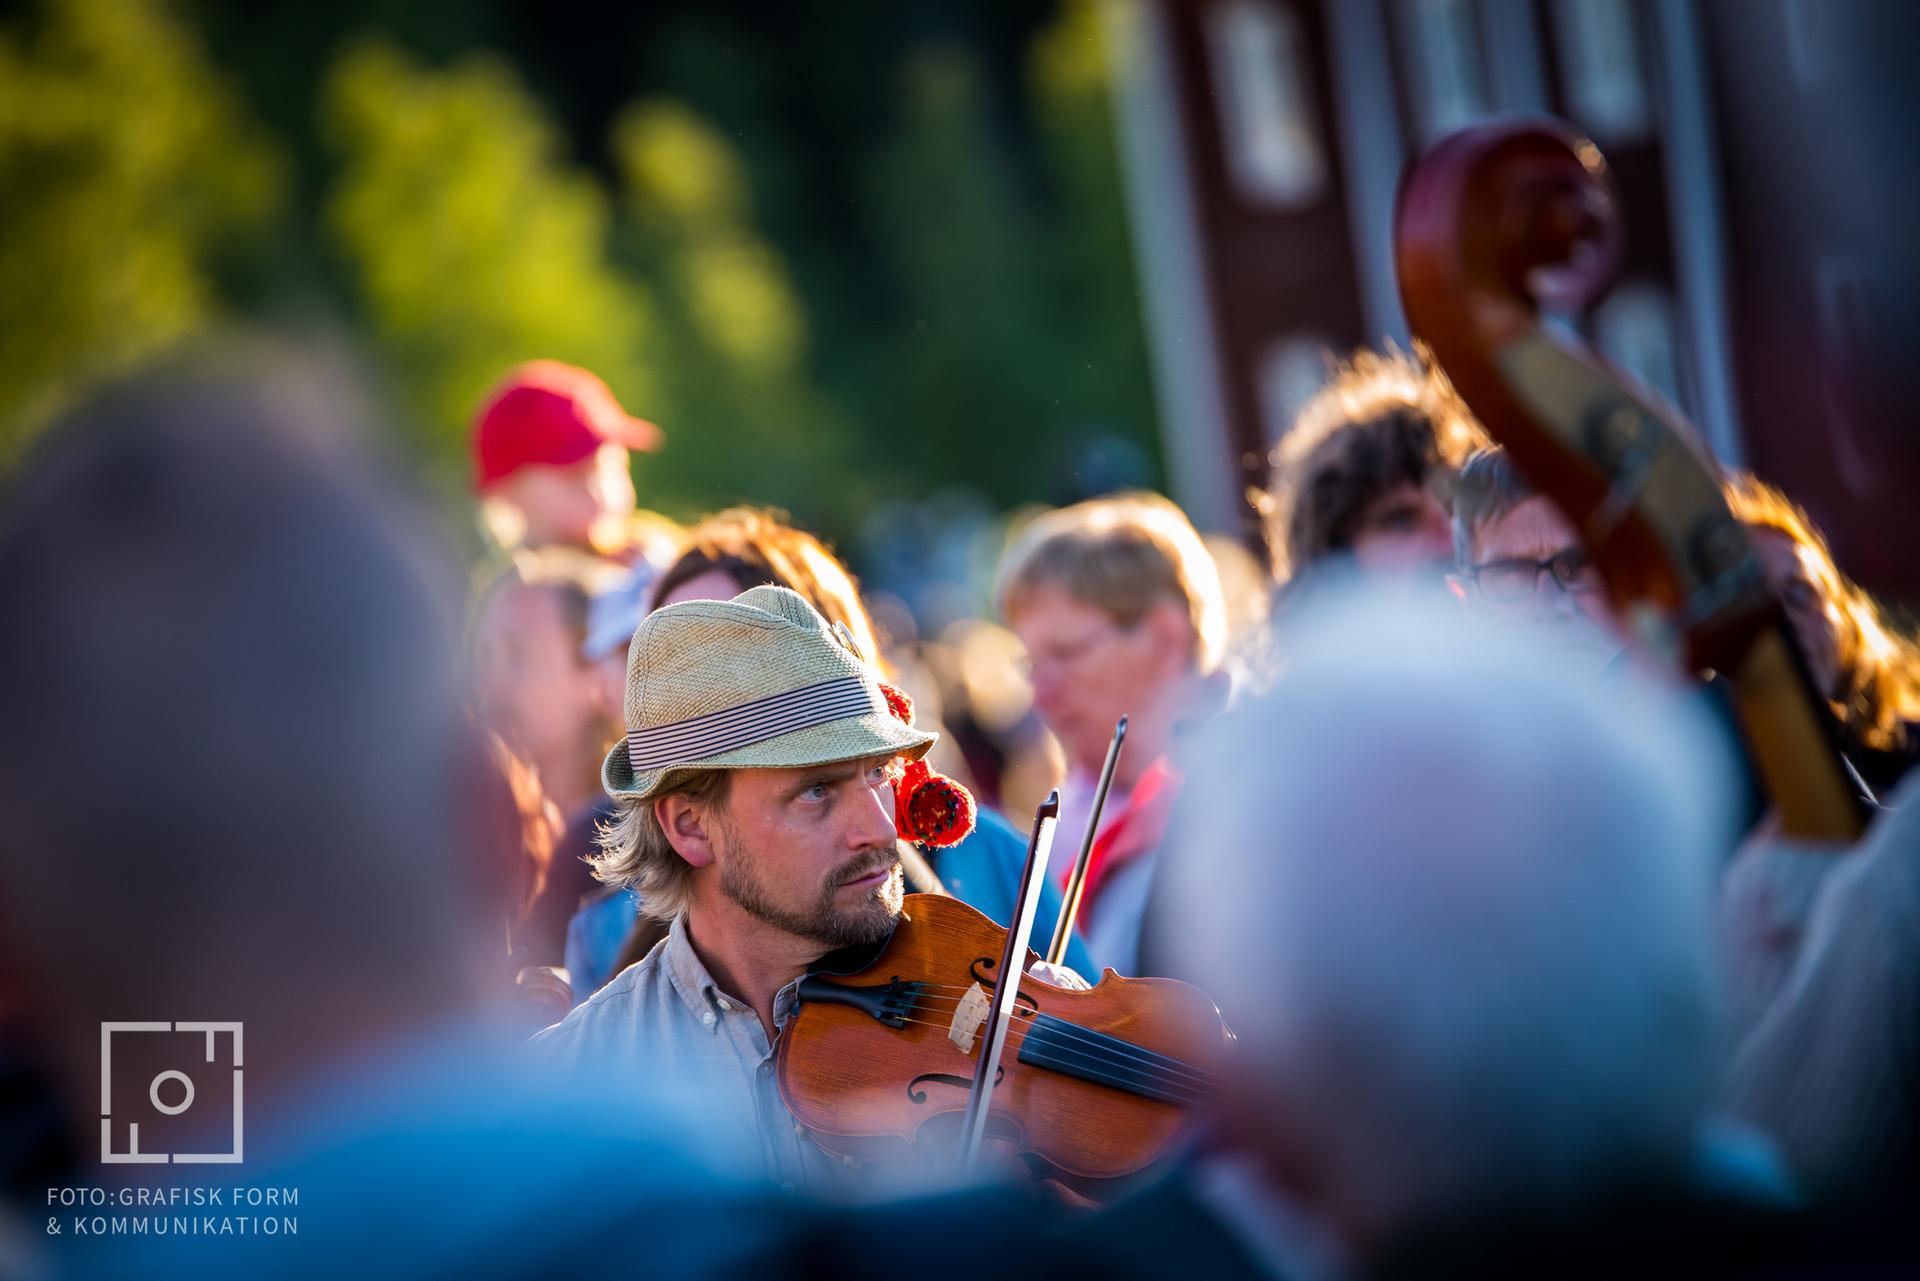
1267	120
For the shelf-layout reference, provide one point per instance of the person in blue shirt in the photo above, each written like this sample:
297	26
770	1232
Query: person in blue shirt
983	871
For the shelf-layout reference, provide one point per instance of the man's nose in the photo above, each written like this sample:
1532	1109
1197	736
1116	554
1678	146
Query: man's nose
1047	687
871	820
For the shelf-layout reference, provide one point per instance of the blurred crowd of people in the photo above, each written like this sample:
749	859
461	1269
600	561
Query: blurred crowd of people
1522	976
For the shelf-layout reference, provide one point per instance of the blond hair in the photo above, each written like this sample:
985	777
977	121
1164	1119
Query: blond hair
634	852
1878	688
1384	420
1122	555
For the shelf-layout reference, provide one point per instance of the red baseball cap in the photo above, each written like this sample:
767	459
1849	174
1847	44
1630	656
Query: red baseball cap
553	414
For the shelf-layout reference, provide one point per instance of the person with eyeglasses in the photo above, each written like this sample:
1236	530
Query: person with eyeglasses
1518	555
1119	606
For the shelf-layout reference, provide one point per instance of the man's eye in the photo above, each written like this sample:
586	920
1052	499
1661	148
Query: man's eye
1067	653
878	775
818	792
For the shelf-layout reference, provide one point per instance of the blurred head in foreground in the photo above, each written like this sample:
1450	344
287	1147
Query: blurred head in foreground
237	780
239	785
1467	945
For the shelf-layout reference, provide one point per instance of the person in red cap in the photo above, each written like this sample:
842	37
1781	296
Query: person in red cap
550	454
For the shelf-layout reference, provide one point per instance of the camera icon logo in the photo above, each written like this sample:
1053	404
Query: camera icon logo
170	1091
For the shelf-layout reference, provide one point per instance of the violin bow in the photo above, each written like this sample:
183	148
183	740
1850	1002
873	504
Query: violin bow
993	1039
1070	905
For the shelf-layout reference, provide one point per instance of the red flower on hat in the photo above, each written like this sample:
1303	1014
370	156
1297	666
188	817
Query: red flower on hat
929	808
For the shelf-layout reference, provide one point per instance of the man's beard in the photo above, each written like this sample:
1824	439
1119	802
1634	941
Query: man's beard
823	921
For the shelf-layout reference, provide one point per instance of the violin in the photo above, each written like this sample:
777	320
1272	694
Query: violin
1501	222
896	1049
1095	1085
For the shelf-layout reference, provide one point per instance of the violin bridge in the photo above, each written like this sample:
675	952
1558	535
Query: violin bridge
968	1016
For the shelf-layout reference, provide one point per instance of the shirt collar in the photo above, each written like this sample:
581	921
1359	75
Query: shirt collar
690	978
696	988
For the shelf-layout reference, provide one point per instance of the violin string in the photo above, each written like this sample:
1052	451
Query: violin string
1141	1054
1199	1077
1071	1031
964	988
1072	1038
1103	1056
1083	1034
1192	1095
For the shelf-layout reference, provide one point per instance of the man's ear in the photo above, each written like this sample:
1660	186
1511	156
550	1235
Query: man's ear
687	827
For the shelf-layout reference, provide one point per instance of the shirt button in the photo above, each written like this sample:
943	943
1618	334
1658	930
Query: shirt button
726	1006
708	1018
766	1069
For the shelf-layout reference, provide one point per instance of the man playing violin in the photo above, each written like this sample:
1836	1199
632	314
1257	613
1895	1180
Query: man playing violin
755	813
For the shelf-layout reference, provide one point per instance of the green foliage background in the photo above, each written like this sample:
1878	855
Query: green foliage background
841	251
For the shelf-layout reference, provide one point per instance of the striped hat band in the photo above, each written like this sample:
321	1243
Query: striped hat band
713	734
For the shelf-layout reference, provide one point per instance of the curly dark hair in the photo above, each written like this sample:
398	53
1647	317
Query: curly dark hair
1386	419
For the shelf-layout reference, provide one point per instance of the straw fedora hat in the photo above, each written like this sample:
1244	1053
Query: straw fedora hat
756	682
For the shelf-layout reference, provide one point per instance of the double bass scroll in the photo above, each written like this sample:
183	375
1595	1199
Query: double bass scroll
1500	224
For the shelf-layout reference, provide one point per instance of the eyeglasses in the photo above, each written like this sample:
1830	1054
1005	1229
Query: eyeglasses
1514	578
1064	656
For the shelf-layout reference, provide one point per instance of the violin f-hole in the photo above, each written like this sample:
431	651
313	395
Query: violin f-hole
1021	1001
919	1095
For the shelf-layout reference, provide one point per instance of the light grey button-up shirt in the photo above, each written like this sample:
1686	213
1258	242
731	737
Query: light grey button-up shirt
665	1020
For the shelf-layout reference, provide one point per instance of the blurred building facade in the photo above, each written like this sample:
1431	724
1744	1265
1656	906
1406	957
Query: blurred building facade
1265	139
